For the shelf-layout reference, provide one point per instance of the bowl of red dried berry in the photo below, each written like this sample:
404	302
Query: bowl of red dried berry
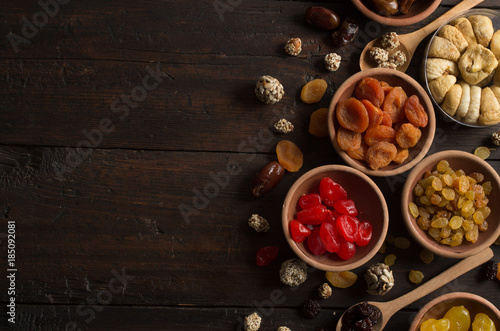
335	218
396	12
381	122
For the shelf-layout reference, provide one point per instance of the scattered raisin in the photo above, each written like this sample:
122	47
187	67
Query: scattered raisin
491	269
416	276
311	308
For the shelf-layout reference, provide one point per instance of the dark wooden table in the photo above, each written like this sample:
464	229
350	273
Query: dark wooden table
116	116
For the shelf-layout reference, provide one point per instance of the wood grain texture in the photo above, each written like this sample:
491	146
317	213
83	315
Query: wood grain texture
97	182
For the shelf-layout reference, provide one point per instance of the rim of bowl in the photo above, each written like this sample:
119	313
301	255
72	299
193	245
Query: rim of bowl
420	236
343	265
400	20
426	102
451	296
426	56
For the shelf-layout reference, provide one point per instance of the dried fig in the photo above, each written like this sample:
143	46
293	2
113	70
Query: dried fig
452	100
465	26
495	44
463	106
489	109
440	67
476	64
440	86
444	49
475	103
483	28
454	36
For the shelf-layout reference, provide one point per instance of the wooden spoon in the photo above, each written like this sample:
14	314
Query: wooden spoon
410	41
391	307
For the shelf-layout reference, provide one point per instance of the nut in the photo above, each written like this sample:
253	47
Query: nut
293	272
325	291
269	90
283	126
258	223
332	61
379	279
252	322
495	138
293	46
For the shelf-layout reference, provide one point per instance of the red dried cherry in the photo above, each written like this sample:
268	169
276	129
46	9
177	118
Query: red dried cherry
266	255
309	200
312	216
364	234
315	243
299	231
348	227
346	207
331	191
346	249
330	236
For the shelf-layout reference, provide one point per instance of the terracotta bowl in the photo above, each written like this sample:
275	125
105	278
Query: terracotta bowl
411	87
440	305
469	163
418	12
370	204
494	15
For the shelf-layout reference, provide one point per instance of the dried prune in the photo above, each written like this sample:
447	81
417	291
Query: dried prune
360	317
268	177
491	269
346	33
322	18
352	115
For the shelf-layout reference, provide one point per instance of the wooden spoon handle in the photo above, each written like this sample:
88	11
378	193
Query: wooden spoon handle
417	36
443	278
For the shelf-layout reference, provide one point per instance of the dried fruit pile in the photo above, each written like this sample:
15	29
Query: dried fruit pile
462	62
379	123
391	7
459	318
451	205
328	220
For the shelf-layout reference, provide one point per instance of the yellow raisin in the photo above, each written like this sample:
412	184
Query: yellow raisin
483	226
468	225
426	256
459	318
448	193
435	233
482	152
439	222
455	222
424	223
412	207
402	242
447	179
445	232
313	91
473	234
383	248
483	322
418	190
443	166
424	212
416	276
477	176
470	195
478	217
487	187
433	324
486	211
341	279
390	259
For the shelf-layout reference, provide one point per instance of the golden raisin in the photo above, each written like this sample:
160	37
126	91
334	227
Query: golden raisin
289	155
426	256
416	276
390	259
313	91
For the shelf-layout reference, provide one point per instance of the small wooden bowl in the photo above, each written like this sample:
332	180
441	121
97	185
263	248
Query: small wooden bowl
440	305
469	163
418	12
369	201
411	87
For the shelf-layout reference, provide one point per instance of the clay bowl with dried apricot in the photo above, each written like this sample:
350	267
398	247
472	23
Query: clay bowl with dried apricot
439	306
419	11
468	233
369	202
381	146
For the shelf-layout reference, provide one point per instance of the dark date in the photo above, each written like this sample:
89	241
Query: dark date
346	33
405	5
385	7
322	18
267	178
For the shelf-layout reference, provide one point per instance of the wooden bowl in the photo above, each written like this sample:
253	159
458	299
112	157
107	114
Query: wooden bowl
393	78
370	203
418	12
469	163
440	305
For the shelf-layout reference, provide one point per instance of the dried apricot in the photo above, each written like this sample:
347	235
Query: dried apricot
360	152
394	104
375	114
402	155
341	279
348	140
415	112
380	154
318	123
313	91
408	135
386	119
379	133
369	88
385	87
289	155
352	115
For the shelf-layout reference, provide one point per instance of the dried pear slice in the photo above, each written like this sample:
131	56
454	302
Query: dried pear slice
444	49
440	86
463	106
452	100
464	25
489	109
477	63
483	28
440	67
495	44
454	35
475	103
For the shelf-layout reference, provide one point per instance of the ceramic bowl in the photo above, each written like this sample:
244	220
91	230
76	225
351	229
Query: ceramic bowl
418	12
440	305
411	87
494	15
468	163
370	203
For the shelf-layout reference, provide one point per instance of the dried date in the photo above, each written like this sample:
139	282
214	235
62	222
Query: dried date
268	177
346	33
385	7
322	18
405	5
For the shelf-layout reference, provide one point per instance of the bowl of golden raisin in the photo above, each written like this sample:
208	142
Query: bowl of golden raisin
450	204
457	311
396	12
381	122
